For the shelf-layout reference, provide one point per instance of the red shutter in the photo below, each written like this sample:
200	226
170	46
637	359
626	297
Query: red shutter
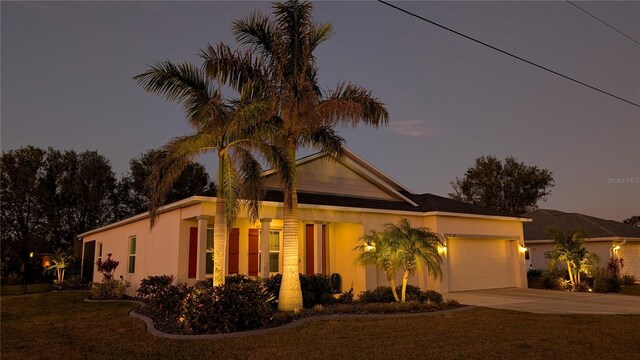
193	252
253	252
309	256
324	249
234	251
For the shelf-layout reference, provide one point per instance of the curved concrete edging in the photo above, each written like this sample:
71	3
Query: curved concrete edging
155	332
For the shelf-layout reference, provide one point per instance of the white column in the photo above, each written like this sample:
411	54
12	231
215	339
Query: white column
201	272
264	247
317	242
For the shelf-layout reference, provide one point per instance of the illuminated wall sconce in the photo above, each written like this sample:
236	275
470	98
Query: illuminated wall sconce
442	249
616	248
523	249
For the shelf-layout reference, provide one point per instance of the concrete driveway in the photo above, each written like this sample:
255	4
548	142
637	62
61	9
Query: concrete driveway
549	301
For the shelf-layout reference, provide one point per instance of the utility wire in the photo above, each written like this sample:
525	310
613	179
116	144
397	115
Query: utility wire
507	53
602	21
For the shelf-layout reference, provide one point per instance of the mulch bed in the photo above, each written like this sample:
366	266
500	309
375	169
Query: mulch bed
169	323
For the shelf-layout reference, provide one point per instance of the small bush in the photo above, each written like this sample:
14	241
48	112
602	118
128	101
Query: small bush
226	308
381	294
237	279
109	289
318	309
346	297
628	279
604	281
316	289
272	285
555	279
432	296
153	286
75	282
107	267
534	274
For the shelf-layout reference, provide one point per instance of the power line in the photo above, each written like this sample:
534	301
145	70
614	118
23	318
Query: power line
602	21
507	53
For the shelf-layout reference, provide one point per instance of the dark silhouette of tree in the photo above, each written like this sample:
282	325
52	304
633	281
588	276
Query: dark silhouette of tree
633	220
510	187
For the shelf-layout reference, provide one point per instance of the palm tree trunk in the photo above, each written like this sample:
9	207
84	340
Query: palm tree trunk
392	282
219	230
290	296
573	283
405	278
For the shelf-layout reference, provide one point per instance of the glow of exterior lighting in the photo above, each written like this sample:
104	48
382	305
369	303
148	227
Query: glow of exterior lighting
523	249
616	248
30	254
369	247
442	249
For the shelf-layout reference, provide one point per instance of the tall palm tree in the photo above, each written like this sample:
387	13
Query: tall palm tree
278	62
379	251
569	250
231	129
417	248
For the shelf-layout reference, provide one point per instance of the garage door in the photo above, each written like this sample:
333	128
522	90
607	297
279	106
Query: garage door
631	255
480	264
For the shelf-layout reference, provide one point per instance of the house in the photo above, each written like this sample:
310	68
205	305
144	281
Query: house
607	238
338	203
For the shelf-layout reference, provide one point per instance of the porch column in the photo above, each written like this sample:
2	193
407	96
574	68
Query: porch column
264	247
201	266
317	242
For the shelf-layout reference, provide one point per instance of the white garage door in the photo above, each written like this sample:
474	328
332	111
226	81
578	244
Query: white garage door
631	255
480	264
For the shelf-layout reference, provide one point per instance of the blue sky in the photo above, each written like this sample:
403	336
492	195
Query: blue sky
67	68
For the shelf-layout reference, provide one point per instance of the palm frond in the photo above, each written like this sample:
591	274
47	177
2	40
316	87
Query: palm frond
169	164
231	187
185	84
250	171
242	70
350	104
325	138
258	32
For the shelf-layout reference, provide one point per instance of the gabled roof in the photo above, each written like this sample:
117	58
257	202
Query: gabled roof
426	203
569	222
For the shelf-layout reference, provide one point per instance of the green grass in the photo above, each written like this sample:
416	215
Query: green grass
31	288
631	290
61	325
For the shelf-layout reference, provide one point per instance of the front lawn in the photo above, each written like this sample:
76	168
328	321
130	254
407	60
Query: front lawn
31	288
61	325
631	290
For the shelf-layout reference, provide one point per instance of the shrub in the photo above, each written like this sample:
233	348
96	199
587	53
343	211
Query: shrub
628	279
432	296
604	281
107	267
555	278
346	297
316	289
109	289
226	308
534	274
614	266
381	294
237	279
75	282
171	298
153	286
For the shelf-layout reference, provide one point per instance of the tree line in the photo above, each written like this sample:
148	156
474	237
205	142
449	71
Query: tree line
49	196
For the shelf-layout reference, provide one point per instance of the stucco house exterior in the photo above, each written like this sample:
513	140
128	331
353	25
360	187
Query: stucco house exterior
338	203
607	238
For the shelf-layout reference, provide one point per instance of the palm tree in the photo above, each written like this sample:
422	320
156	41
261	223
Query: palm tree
417	248
569	250
379	251
232	129
278	62
60	261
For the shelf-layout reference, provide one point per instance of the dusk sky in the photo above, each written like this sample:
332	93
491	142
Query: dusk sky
67	71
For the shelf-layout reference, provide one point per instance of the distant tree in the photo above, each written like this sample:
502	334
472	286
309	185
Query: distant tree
48	197
23	229
132	193
634	220
511	187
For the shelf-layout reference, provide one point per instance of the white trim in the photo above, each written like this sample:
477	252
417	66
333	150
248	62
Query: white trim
381	173
482	237
176	205
589	240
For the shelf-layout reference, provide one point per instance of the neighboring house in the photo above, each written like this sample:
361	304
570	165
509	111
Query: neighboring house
607	238
338	203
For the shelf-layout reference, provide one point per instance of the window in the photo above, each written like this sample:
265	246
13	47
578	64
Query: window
132	255
209	261
100	251
274	251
